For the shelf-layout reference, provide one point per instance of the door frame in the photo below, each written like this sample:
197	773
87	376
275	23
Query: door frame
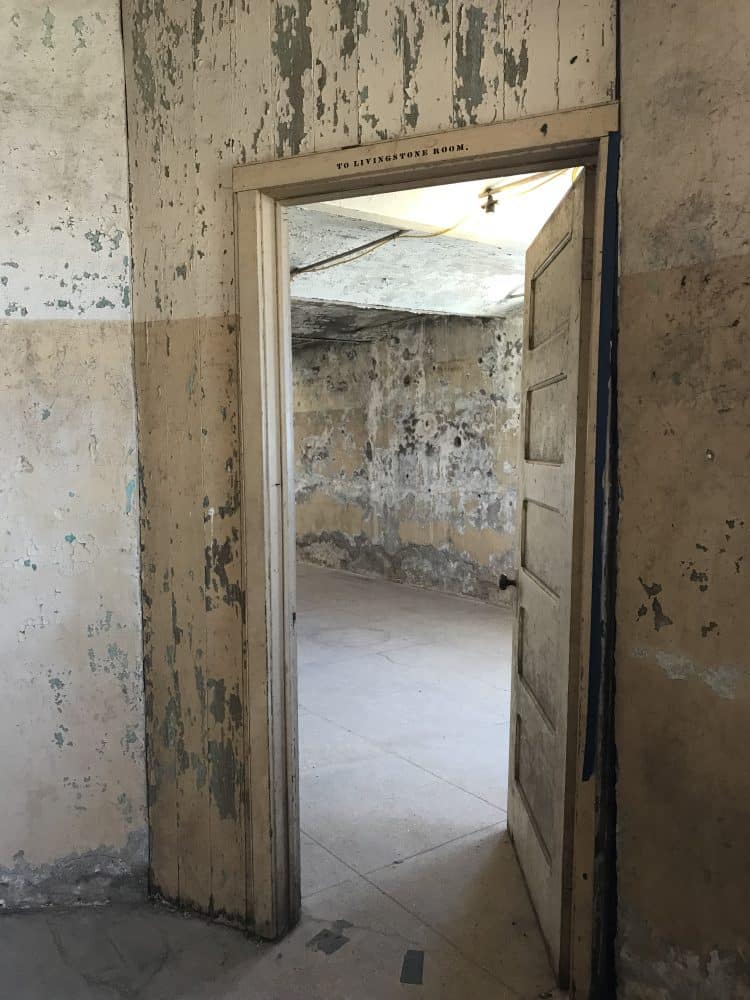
261	191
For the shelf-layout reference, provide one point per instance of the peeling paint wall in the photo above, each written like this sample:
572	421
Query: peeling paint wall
406	453
683	674
72	782
213	84
210	84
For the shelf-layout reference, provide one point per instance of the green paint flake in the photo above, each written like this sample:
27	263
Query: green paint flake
103	625
198	29
70	538
104	303
118	660
46	413
471	86
198	766
59	737
78	25
95	239
49	23
129	491
440	7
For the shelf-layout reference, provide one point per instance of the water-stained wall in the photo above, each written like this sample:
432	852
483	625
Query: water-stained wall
72	781
406	452
210	84
683	674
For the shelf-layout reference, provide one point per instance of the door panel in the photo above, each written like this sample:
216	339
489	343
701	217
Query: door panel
546	633
538	635
543	545
545	421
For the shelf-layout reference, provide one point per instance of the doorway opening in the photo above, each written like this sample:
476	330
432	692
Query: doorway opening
360	515
407	316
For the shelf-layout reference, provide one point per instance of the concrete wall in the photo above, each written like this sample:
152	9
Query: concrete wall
72	782
210	85
218	84
407	452
683	675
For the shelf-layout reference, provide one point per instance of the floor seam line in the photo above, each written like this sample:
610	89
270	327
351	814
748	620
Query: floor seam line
415	916
428	850
422	675
363	927
325	888
443	937
403	666
333	855
399	861
406	760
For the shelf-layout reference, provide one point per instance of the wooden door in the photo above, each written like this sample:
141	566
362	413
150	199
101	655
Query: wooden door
547	632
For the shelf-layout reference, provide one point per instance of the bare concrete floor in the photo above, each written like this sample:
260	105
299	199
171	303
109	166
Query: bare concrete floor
404	706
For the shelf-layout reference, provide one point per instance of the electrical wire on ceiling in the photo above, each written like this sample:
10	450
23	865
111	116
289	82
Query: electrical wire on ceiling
439	232
529	183
348	256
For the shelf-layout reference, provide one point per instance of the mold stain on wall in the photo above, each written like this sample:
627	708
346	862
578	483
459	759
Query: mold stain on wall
406	452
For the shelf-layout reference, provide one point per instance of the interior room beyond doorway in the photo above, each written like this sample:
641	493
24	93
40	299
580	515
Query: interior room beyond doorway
407	334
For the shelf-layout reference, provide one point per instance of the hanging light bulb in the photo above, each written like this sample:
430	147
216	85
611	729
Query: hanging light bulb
489	204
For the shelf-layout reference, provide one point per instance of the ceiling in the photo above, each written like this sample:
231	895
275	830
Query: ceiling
476	268
523	203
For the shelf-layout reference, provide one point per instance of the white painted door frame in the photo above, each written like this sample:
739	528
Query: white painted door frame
570	138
